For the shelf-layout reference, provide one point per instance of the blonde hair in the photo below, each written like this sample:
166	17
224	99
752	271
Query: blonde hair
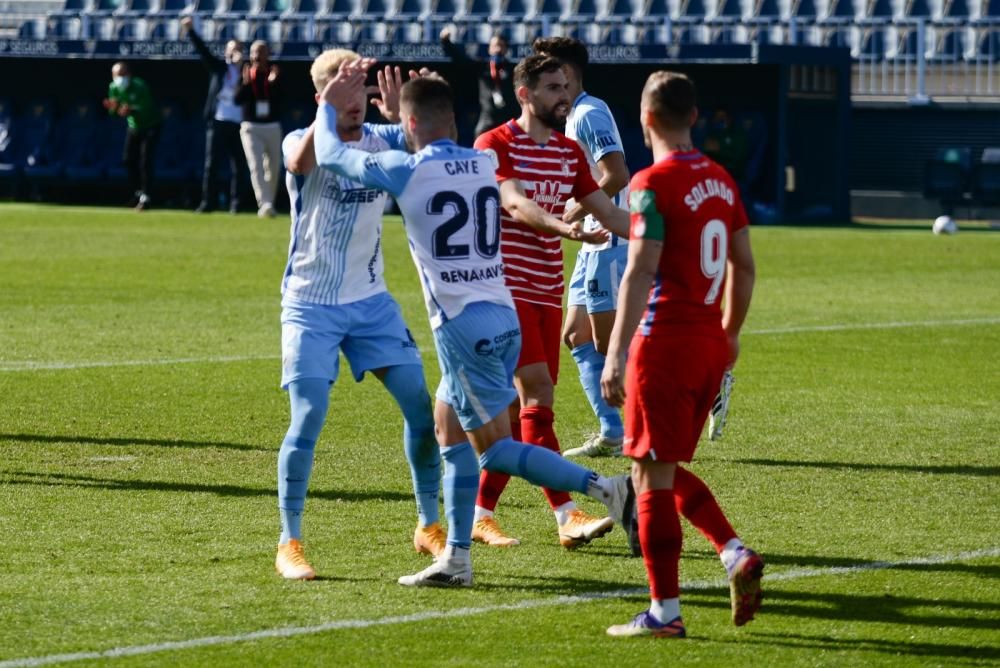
327	64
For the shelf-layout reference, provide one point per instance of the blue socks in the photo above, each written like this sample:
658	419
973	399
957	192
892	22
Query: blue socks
539	466
310	398
461	484
406	385
591	365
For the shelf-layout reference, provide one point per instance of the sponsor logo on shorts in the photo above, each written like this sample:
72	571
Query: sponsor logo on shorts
594	289
487	347
410	342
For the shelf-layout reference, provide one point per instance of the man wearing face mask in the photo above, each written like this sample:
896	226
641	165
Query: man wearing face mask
497	103
222	121
260	95
130	98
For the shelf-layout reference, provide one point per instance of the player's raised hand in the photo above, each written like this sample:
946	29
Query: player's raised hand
390	81
613	380
344	88
273	75
426	73
186	23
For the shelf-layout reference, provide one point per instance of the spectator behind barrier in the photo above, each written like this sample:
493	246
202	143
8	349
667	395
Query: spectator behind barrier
222	121
497	103
130	98
260	94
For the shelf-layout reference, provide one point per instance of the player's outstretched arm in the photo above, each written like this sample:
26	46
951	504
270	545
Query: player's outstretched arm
614	177
613	218
527	211
739	289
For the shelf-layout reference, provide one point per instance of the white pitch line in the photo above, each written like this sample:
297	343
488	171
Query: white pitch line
531	604
28	365
875	325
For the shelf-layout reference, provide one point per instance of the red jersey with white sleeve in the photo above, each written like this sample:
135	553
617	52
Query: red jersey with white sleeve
691	204
550	174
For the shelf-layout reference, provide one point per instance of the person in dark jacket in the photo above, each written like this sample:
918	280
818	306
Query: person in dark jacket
260	93
497	103
223	116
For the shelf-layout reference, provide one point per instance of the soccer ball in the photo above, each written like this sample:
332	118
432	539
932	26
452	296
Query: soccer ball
945	225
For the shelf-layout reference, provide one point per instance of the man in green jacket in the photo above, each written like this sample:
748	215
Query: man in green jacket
130	98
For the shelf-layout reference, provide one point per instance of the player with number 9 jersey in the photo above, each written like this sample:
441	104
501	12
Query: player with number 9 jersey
692	205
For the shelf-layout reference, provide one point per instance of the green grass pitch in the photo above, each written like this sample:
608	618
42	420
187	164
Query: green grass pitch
140	417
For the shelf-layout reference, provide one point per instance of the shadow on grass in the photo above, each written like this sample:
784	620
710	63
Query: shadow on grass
882	609
102	440
64	480
871	565
965	469
908	648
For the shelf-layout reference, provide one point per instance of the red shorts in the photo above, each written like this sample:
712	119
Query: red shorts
670	384
541	335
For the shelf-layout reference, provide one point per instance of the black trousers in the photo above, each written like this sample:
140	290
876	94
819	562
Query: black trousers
222	141
140	146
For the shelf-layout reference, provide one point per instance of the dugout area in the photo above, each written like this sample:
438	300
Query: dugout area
793	104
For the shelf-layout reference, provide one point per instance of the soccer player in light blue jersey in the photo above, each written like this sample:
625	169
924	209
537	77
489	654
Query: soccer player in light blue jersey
334	299
593	287
451	208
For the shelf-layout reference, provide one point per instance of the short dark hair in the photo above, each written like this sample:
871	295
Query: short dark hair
567	49
428	97
530	70
671	97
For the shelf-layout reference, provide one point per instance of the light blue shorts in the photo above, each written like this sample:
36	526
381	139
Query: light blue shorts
371	333
597	277
478	352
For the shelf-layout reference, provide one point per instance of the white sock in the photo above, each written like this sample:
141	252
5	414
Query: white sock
481	513
456	555
730	552
599	487
562	512
665	609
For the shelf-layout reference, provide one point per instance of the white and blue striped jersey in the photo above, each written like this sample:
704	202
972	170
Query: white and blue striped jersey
451	209
335	251
592	126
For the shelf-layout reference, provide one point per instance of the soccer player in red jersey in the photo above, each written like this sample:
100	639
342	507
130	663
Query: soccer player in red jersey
688	229
538	170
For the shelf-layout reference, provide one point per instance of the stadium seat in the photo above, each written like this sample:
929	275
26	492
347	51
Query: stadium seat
80	142
128	31
303	9
338	10
335	31
173	157
271	9
443	10
293	31
204	8
991	10
728	11
104	8
955	11
986	186
767	11
873	44
988	46
950	46
947	177
171	8
917	9
134	8
880	12
840	11
691	11
586	12
9	163
28	30
620	11
234	9
373	10
33	142
804	9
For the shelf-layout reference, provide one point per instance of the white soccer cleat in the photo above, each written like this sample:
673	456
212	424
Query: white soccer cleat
597	446
720	409
446	571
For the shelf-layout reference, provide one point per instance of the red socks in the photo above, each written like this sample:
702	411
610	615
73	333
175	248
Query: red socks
696	503
491	483
660	536
536	427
